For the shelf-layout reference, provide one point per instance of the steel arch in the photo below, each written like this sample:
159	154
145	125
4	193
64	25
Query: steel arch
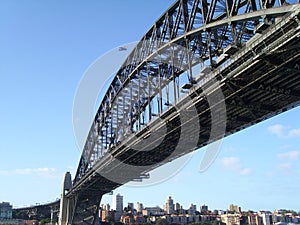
212	30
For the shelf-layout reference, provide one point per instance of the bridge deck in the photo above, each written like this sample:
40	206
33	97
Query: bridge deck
260	80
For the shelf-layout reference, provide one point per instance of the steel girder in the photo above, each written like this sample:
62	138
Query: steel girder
211	31
258	81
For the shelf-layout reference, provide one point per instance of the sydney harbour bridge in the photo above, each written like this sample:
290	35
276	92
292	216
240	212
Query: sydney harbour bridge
205	69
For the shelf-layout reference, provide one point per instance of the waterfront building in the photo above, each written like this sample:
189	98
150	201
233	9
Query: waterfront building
234	208
130	206
193	218
127	219
153	211
177	207
169	205
118	202
139	207
254	219
12	222
231	219
266	217
118	206
5	211
192	210
105	207
107	216
203	208
139	219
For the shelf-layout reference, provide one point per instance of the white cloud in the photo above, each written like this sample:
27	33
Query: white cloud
4	173
230	162
290	156
45	172
29	171
281	169
277	129
285	146
285	166
294	133
234	164
245	171
283	131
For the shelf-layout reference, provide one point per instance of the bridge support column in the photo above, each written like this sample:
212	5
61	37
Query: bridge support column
54	215
83	208
80	208
64	203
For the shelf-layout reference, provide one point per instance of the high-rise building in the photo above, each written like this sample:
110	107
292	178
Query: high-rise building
231	219
139	207
118	203
5	210
107	216
254	219
105	207
169	206
153	211
203	208
192	209
177	207
118	206
234	208
130	206
266	217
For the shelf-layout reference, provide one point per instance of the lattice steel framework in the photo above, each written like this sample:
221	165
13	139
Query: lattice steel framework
144	87
251	47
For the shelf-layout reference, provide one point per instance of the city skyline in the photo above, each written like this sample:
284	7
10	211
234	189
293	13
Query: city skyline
46	49
175	213
233	215
162	204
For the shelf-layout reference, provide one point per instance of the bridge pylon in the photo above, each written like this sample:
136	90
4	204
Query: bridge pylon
78	208
64	203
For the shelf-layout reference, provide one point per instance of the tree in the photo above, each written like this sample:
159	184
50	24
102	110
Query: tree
211	222
161	221
20	215
109	219
44	221
106	223
118	223
146	223
217	222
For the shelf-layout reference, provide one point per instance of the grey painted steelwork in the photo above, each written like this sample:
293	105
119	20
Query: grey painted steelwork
40	211
66	186
251	48
212	31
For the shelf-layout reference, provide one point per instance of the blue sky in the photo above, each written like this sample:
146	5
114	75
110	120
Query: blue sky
46	47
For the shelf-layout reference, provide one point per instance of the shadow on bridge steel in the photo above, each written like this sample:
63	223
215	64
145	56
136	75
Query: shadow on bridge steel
204	70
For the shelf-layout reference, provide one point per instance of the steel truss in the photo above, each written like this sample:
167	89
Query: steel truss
210	31
251	47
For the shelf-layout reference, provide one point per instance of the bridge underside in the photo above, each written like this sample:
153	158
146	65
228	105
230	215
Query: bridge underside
262	80
261	83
